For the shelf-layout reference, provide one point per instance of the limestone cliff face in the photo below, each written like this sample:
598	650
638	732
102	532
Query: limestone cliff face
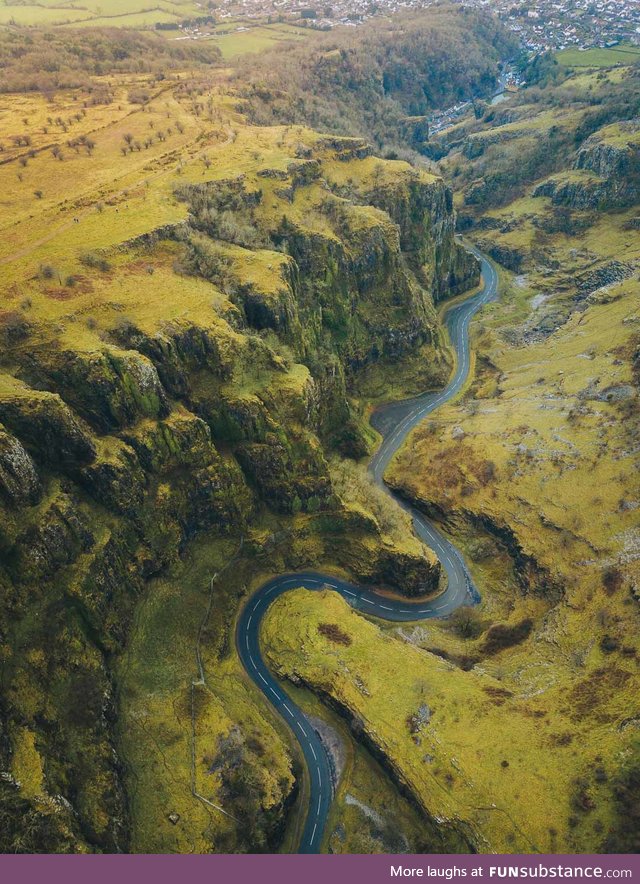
616	163
118	446
606	172
424	214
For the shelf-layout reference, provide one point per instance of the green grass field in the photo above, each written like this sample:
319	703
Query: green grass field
139	14
601	58
118	13
241	42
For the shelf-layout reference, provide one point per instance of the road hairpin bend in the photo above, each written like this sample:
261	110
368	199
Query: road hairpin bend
395	421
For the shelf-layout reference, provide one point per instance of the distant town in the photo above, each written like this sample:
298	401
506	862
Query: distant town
541	25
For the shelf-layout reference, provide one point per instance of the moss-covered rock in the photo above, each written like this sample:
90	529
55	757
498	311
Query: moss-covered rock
146	414
47	428
56	536
109	388
19	481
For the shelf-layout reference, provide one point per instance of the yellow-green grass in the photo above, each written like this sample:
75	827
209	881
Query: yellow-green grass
111	194
620	134
455	763
589	81
253	39
117	197
134	20
32	114
379	820
27	766
110	13
533	404
561	468
155	707
567	468
39	15
156	673
371	171
622	54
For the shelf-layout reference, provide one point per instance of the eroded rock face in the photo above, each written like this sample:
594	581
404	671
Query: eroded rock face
610	174
618	165
19	481
110	389
60	535
47	427
116	453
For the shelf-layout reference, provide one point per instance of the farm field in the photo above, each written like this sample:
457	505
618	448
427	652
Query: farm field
118	13
599	58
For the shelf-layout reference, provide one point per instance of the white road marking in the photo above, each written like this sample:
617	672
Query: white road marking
437	541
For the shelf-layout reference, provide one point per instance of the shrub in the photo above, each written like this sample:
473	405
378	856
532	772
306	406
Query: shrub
48	271
502	635
611	579
609	644
466	622
95	261
13	327
333	632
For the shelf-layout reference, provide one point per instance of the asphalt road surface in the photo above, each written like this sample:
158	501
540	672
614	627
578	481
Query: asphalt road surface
394	421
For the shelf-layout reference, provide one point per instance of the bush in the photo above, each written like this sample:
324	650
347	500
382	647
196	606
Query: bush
466	622
502	636
611	579
333	632
48	271
95	261
13	327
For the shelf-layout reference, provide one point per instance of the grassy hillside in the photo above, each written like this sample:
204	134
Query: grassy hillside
99	13
188	301
201	297
539	454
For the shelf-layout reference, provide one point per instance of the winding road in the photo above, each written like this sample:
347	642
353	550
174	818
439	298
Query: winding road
394	421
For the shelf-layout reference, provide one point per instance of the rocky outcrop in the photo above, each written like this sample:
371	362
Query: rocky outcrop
583	192
608	274
606	173
533	577
109	389
617	163
508	256
423	211
19	480
121	444
47	427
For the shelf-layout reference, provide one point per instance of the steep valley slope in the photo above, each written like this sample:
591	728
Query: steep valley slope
202	299
517	722
188	302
